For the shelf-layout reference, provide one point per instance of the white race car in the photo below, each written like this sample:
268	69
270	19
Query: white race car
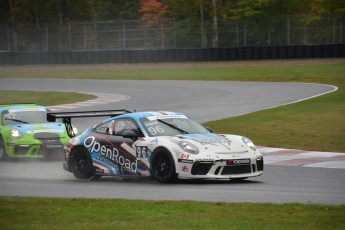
165	145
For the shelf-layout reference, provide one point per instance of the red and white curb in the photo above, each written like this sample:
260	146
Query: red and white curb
294	157
102	98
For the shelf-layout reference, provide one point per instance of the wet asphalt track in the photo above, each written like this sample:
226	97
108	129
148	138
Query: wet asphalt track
203	101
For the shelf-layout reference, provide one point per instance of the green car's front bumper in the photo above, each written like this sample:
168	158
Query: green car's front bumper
37	148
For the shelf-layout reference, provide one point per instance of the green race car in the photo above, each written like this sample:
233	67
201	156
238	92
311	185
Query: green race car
26	133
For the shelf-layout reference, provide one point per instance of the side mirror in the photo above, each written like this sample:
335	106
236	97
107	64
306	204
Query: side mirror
130	134
209	129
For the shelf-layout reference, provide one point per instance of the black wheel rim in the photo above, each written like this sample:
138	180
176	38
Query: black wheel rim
81	163
162	166
2	149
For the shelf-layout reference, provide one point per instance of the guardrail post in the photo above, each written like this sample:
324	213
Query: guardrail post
288	31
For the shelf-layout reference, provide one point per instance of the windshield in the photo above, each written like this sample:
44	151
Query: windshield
24	116
172	126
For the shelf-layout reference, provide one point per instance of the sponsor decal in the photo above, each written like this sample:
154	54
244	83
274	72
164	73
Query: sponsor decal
168	116
241	162
54	146
185	168
185	161
106	161
154	141
144	172
102	166
204	159
238	162
26	110
110	153
98	170
184	156
209	139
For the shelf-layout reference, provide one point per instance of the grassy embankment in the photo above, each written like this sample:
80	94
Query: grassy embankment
47	213
42	98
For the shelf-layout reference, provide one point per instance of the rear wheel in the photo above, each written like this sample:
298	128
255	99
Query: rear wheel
163	166
2	149
81	163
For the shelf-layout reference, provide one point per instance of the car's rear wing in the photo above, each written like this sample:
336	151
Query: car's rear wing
67	117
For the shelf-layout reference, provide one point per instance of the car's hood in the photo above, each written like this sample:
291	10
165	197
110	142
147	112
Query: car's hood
216	143
40	128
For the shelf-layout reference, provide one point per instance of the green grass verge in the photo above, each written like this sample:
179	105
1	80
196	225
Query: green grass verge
276	73
316	124
42	98
48	213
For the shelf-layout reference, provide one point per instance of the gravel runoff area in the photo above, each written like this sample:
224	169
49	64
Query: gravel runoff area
116	66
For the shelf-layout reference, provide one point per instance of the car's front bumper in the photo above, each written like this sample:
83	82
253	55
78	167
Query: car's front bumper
221	170
24	149
34	151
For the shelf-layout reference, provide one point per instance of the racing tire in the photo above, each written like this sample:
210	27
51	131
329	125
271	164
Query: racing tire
163	166
2	149
81	164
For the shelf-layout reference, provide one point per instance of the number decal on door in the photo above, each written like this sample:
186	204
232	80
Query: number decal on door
141	152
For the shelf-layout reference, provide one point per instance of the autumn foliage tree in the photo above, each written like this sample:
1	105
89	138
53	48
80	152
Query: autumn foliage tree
62	11
152	10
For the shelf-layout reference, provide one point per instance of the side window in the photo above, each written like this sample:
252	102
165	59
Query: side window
7	118
123	125
103	128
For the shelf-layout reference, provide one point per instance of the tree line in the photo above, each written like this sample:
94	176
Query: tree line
16	12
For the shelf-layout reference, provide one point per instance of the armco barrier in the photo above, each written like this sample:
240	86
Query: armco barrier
174	55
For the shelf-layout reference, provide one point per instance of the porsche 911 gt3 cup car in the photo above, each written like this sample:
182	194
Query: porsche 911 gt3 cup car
26	133
164	145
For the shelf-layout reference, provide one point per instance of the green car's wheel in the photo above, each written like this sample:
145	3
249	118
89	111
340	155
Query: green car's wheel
2	149
81	163
163	166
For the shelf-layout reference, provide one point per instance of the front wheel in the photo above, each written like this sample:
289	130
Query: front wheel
81	163
163	166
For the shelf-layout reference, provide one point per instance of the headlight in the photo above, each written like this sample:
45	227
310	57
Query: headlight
15	133
249	143
189	147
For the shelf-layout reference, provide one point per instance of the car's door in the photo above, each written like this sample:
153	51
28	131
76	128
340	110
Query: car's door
115	150
125	157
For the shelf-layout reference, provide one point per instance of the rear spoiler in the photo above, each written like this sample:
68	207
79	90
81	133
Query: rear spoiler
67	117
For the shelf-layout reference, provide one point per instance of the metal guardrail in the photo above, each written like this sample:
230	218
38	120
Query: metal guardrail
174	55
